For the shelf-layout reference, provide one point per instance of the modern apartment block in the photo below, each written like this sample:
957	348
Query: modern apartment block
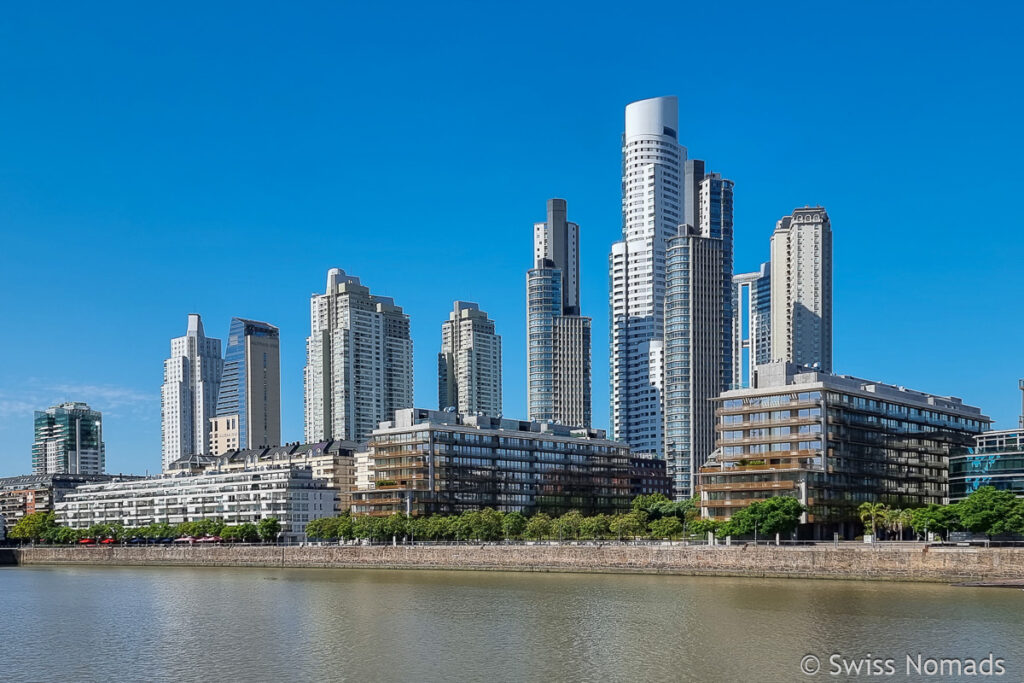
249	401
331	461
751	324
358	361
68	440
290	494
30	493
647	476
469	364
801	289
427	462
189	393
693	352
653	206
558	337
996	459
833	442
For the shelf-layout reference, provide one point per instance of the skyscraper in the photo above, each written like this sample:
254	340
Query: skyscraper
358	361
189	393
693	352
558	337
801	289
469	364
653	206
752	299
69	440
249	401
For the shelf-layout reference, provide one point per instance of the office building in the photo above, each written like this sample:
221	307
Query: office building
647	476
358	361
996	459
653	206
693	358
290	494
833	442
801	289
189	393
249	401
427	462
558	337
68	440
469	364
752	324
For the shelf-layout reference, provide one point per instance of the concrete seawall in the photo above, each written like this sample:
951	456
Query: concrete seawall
888	564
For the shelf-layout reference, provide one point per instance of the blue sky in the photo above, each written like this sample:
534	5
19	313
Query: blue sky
161	159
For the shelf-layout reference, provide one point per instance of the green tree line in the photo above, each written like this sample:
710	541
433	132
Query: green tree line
43	527
986	510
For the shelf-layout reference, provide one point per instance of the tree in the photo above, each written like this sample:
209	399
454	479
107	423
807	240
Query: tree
934	518
324	529
628	525
487	525
568	525
702	527
776	515
648	502
514	525
873	514
248	532
667	527
987	511
594	527
269	528
34	526
539	527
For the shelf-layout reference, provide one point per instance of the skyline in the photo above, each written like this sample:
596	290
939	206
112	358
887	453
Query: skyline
127	205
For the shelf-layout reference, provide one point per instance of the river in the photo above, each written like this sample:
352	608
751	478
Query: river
181	624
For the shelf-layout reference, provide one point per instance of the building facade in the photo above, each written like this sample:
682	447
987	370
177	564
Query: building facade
189	393
68	440
996	459
249	399
693	353
647	476
653	206
833	442
358	361
558	337
801	289
469	364
27	494
290	494
427	462
752	324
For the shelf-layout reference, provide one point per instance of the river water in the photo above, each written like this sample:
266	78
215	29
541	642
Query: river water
231	624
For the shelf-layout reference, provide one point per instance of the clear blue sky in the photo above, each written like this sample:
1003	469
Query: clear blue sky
219	158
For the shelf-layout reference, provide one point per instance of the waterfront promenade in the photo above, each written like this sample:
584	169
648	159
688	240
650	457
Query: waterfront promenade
897	563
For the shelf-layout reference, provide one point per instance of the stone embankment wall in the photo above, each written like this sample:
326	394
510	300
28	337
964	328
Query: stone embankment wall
914	563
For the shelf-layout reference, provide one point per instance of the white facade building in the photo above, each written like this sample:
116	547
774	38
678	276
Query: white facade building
469	364
752	324
358	361
290	494
653	205
801	289
189	393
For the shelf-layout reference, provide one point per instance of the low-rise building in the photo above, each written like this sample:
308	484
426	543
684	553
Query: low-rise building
427	462
24	495
289	493
996	459
833	442
648	475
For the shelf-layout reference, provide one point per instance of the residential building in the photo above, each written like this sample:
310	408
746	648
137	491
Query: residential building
996	459
189	393
27	494
653	207
364	470
427	462
358	361
752	324
68	440
331	461
469	364
693	353
833	442
558	337
801	289
290	494
249	400
647	476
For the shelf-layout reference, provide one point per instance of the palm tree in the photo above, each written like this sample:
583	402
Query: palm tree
873	513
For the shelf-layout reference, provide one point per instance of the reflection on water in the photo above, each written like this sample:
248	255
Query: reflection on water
230	624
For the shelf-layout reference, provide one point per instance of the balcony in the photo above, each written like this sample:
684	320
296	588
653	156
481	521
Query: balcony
750	486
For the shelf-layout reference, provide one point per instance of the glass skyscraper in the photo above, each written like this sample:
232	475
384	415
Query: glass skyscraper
68	440
249	401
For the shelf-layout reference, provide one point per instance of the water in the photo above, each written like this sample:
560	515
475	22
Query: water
231	624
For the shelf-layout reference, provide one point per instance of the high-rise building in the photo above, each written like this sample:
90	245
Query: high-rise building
801	289
249	401
358	361
69	440
469	364
653	206
751	324
189	394
558	337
